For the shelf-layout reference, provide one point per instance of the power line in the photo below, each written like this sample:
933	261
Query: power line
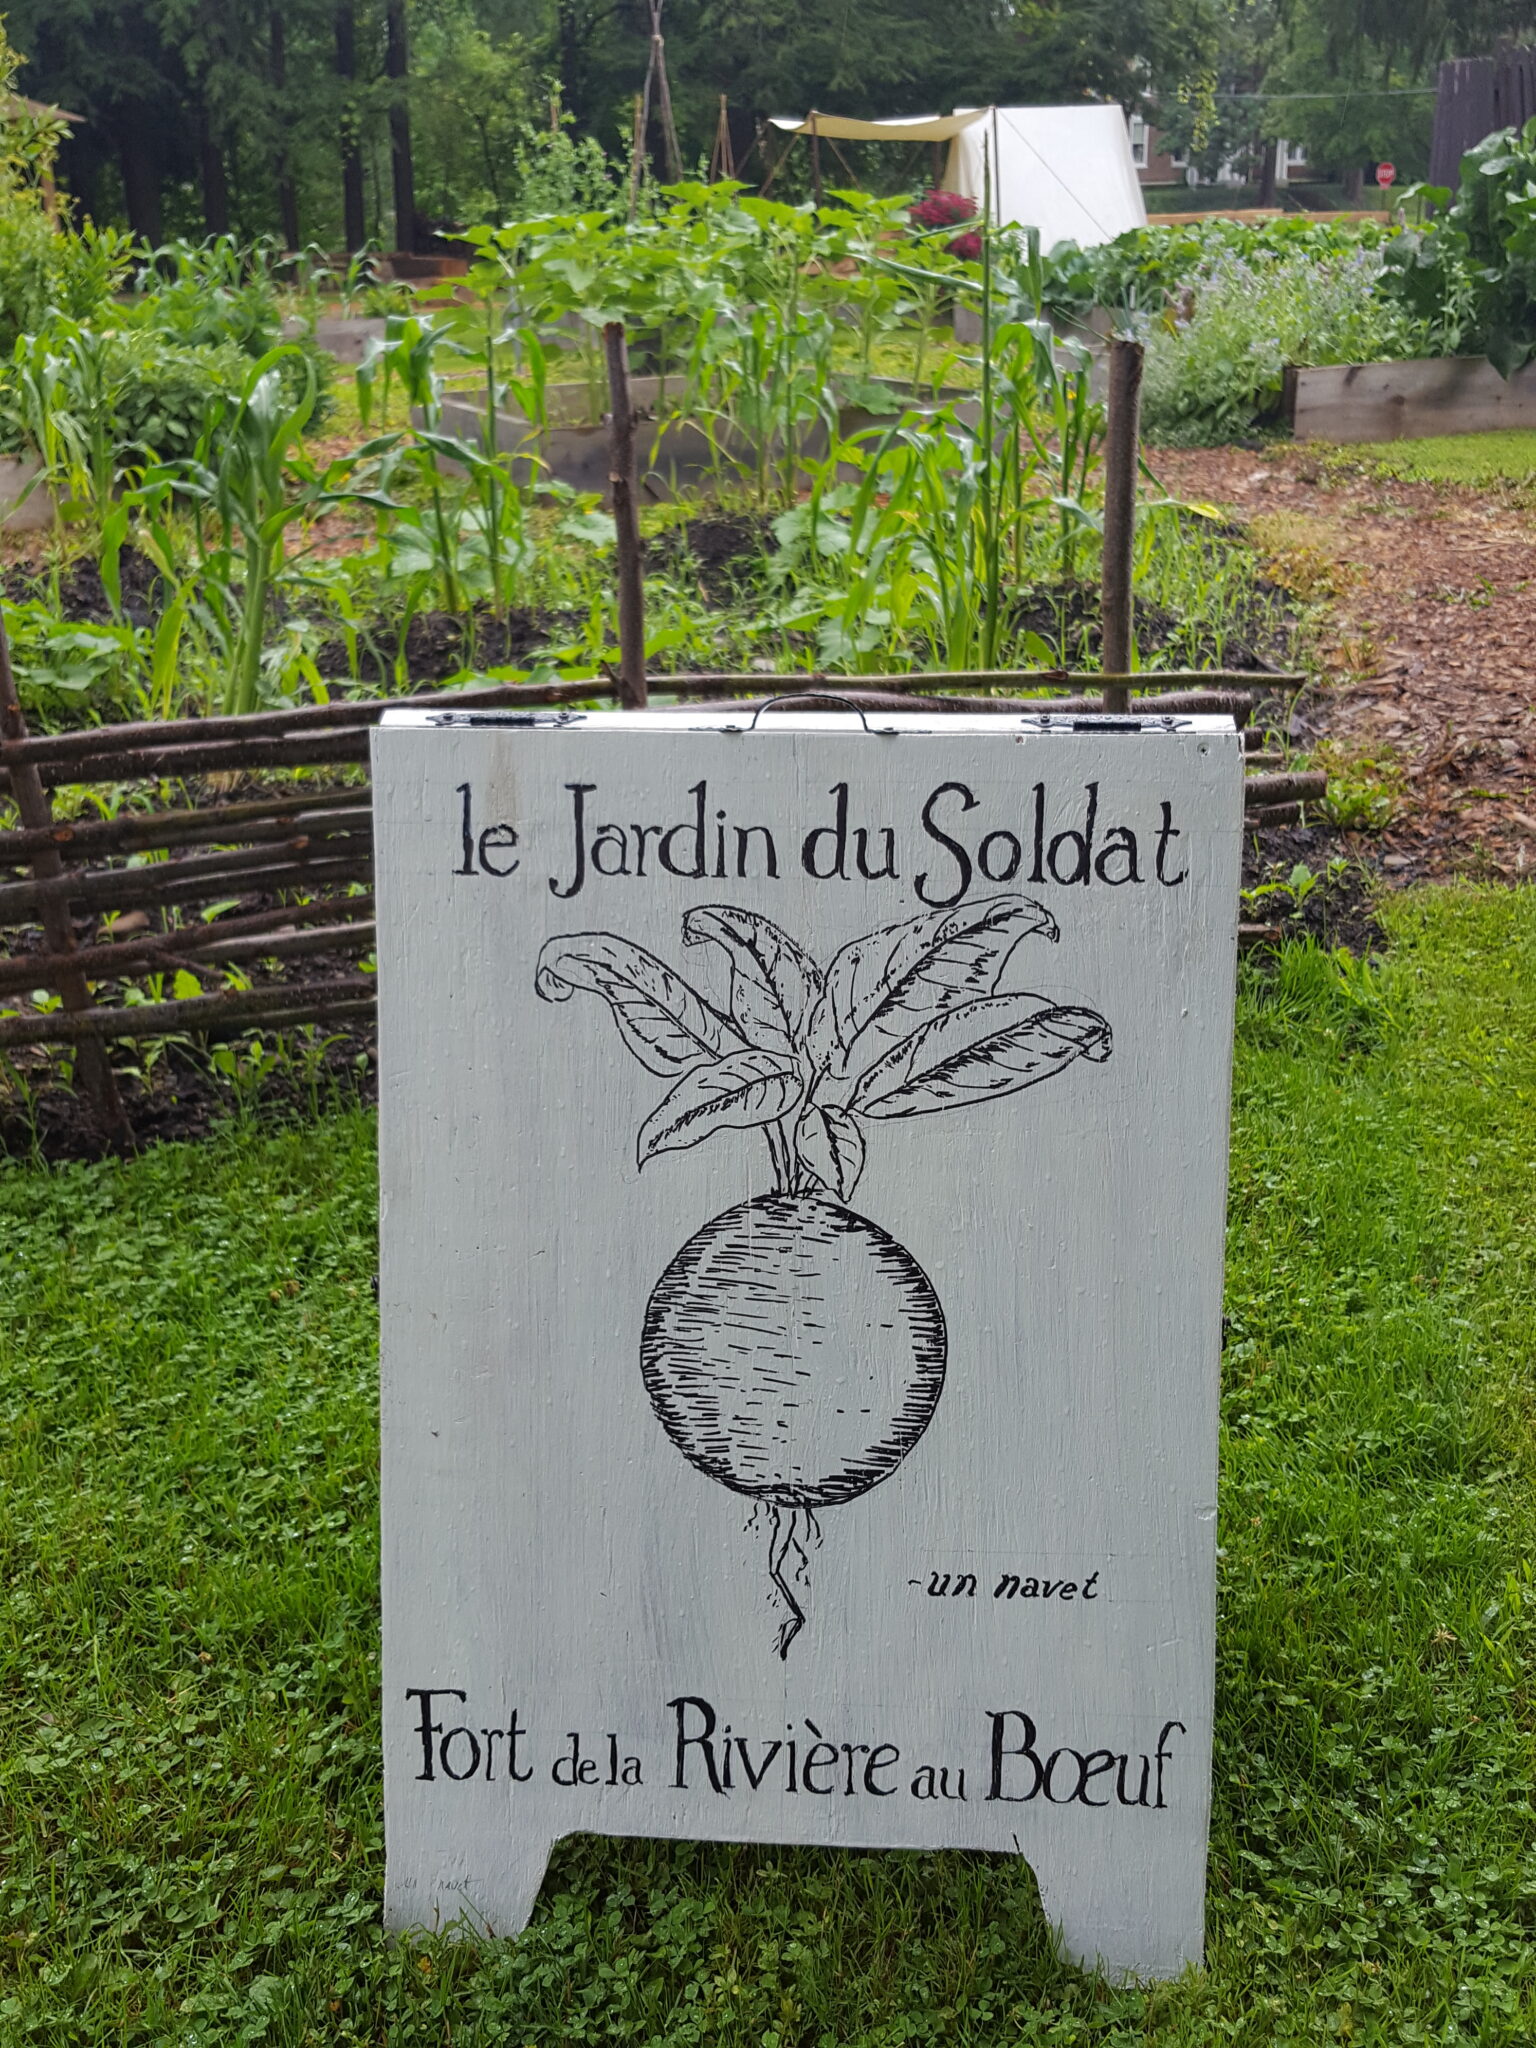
1358	92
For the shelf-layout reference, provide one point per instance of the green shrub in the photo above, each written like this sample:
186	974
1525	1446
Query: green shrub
1473	276
69	389
1219	372
27	239
1139	270
45	269
165	388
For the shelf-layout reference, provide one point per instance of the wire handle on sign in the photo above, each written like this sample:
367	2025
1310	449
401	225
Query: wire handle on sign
884	732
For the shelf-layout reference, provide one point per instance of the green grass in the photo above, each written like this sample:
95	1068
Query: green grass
190	1841
1508	456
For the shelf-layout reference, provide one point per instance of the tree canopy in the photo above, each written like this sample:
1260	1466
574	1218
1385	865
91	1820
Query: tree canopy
332	121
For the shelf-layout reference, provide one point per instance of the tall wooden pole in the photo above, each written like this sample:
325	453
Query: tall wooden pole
722	160
1122	448
625	490
815	159
636	154
36	811
669	142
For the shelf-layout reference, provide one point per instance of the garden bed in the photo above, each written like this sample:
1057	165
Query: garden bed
679	455
1407	401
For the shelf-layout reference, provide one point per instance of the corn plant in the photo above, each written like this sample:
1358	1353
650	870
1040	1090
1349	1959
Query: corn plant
60	399
247	483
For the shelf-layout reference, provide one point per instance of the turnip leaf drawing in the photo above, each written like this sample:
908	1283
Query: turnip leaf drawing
882	986
743	1089
793	1351
986	1048
773	981
664	1022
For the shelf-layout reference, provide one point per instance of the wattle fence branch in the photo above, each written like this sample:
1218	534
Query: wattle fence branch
284	877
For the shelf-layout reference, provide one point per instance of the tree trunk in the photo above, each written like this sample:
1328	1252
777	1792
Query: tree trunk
141	180
572	33
397	65
1269	165
1354	179
355	225
215	180
287	186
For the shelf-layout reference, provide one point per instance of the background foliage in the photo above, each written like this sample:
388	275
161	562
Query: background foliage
244	115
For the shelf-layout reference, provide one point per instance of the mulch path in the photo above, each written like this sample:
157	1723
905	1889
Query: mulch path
1428	643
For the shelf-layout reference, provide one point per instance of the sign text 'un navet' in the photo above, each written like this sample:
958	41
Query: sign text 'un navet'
804	1166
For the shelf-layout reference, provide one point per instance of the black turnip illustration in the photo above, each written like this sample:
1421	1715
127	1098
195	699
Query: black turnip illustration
793	1350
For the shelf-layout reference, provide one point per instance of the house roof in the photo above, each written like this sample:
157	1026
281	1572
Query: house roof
39	107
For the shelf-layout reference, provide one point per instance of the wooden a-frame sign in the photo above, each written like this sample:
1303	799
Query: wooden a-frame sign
803	1149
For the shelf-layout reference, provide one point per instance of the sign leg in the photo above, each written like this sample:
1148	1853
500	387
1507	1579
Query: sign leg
438	1895
1130	1918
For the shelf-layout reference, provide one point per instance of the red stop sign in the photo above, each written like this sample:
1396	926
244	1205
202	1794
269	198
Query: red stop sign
1385	173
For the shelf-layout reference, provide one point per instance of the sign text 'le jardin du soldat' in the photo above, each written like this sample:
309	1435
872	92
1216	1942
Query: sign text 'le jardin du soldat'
803	1156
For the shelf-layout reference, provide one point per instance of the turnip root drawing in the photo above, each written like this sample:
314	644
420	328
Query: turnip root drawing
793	1350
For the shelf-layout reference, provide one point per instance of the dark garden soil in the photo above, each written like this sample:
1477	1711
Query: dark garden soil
1427	631
182	1097
82	596
1336	907
722	555
1068	615
439	644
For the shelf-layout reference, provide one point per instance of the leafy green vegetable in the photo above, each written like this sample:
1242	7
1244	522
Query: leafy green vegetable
1473	274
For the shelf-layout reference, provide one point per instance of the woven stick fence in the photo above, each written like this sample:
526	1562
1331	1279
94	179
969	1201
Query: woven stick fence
283	877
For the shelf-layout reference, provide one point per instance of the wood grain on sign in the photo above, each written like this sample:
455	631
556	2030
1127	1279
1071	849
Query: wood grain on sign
804	1168
1407	401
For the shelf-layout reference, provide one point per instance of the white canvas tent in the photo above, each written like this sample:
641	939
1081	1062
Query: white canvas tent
1064	170
1067	171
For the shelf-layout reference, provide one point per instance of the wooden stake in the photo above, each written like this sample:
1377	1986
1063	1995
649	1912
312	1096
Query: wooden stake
722	162
664	95
773	164
637	153
626	519
1122	448
36	809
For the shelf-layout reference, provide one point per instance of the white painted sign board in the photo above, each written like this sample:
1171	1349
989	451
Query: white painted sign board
804	1168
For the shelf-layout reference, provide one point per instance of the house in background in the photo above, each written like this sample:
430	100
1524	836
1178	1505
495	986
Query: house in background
1157	165
1154	164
